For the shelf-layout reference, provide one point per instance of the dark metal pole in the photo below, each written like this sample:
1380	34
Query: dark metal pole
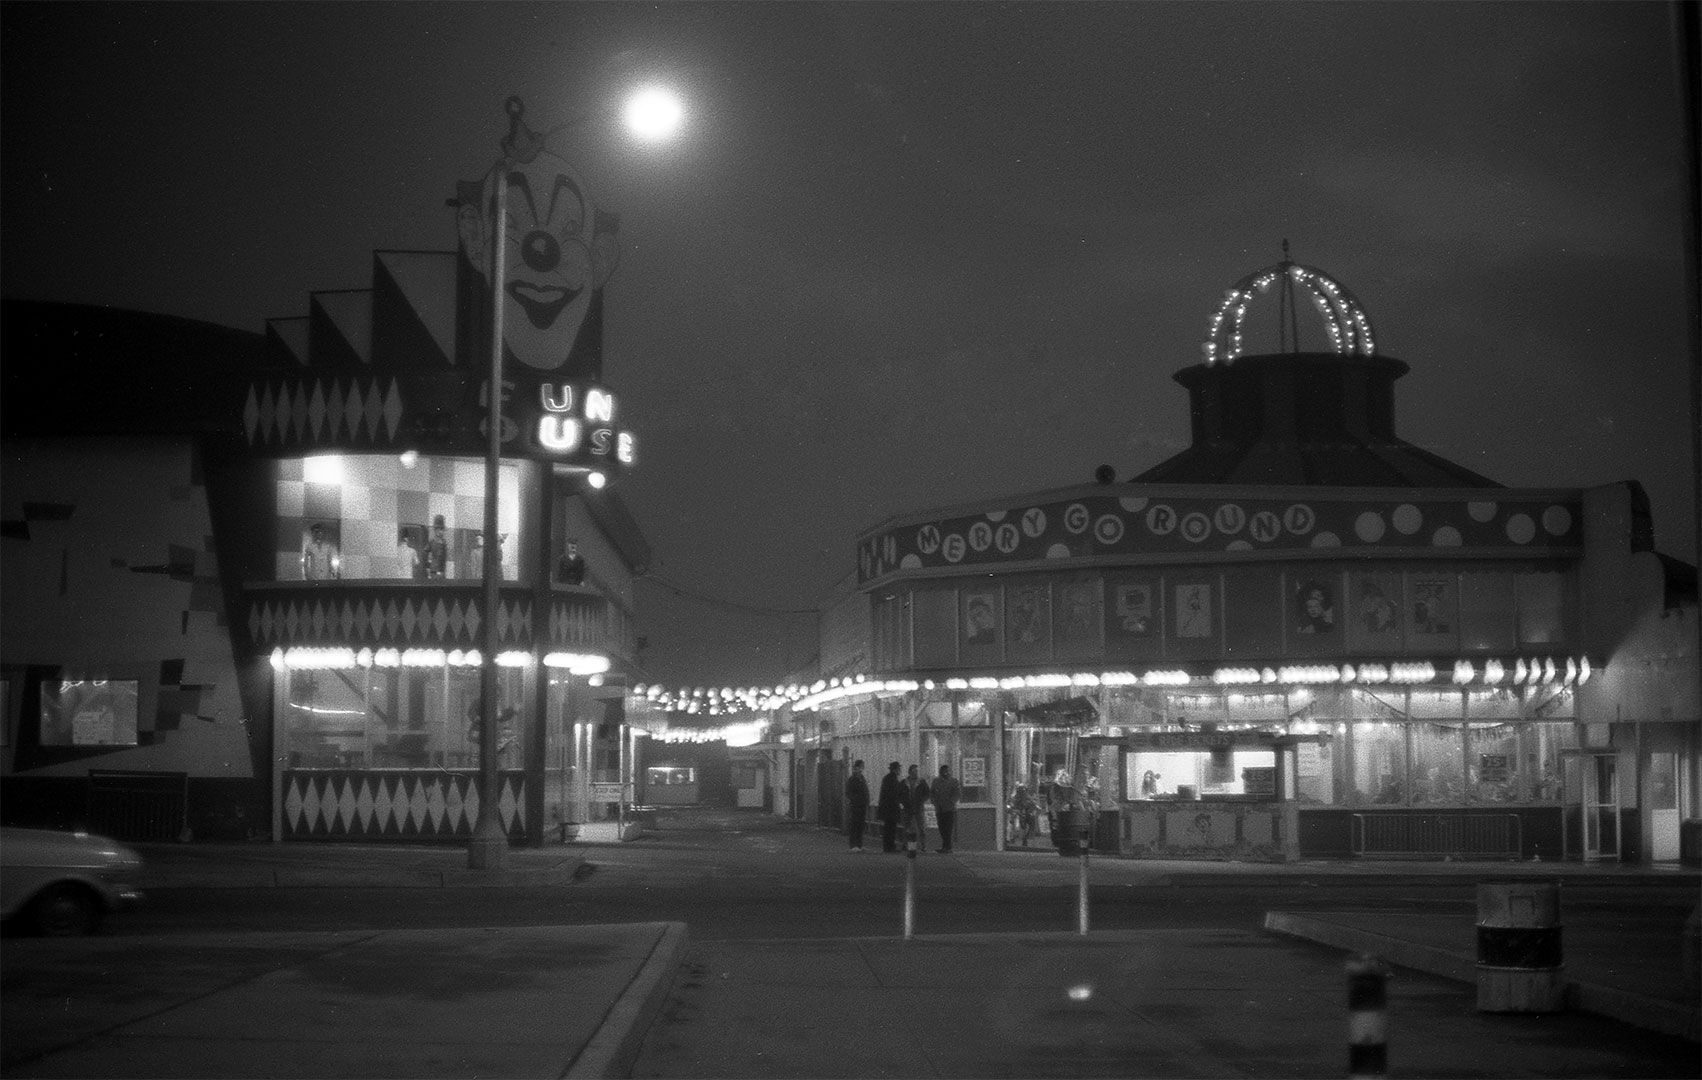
488	849
1367	1018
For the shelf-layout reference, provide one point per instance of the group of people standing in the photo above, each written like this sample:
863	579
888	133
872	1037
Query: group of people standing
903	805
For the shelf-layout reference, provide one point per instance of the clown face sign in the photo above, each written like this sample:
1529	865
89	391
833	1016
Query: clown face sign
559	251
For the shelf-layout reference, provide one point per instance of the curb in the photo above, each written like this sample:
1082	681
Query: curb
613	1049
314	877
1375	879
1650	1014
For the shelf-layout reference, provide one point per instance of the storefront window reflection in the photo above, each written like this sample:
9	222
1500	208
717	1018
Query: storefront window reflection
1438	756
407	717
1380	763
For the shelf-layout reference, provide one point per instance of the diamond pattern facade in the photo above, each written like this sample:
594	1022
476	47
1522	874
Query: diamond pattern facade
337	804
323	410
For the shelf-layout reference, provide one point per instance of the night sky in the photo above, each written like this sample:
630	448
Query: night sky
914	255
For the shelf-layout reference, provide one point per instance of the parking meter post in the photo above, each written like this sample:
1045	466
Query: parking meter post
1081	895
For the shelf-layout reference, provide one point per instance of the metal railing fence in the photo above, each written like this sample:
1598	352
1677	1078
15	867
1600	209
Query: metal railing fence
1466	834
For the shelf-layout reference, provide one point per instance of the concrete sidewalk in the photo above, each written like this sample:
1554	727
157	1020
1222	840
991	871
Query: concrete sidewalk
1140	1003
1635	977
569	1001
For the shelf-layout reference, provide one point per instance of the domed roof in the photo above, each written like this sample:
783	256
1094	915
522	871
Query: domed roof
1299	418
1348	325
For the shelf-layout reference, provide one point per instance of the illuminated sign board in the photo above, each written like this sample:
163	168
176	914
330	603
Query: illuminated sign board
579	424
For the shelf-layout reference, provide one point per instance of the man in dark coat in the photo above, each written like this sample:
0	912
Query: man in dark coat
945	791
913	795
856	805
889	809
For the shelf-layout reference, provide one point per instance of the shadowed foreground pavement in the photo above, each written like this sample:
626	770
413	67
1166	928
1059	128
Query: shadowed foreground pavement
642	999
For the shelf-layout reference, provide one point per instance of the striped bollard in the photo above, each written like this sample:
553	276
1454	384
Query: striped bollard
909	884
1367	1018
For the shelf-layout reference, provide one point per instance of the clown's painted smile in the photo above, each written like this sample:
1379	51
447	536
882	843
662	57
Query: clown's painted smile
542	303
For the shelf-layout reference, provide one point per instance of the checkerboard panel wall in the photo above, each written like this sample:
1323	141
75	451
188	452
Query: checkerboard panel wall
378	495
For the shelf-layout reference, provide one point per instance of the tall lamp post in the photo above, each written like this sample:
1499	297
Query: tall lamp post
650	114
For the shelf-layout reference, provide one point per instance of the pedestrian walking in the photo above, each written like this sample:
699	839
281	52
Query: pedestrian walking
944	792
913	797
889	809
1026	814
856	805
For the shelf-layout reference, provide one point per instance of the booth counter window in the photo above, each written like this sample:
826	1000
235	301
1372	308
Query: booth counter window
370	517
1204	774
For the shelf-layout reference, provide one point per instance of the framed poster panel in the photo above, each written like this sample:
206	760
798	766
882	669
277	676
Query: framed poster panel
1432	611
1134	616
935	612
1541	602
1077	621
1193	625
1028	621
1374	613
980	624
1252	613
1314	623
1486	612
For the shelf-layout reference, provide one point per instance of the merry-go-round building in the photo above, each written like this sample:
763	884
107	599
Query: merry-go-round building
1300	636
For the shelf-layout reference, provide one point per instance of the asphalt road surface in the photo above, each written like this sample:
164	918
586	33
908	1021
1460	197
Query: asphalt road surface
751	886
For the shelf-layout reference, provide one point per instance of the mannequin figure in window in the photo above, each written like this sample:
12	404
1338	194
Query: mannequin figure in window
473	568
437	550
571	570
319	558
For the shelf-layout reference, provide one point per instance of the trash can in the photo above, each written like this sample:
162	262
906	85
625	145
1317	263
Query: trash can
1520	961
1070	831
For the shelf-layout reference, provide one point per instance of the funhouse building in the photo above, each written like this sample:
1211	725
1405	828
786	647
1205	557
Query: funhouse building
243	572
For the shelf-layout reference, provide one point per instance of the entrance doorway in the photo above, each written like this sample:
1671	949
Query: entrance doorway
1660	794
1592	792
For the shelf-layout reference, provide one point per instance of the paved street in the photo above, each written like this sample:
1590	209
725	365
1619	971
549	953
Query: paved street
790	960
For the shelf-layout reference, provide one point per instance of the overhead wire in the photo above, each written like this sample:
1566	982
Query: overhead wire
715	601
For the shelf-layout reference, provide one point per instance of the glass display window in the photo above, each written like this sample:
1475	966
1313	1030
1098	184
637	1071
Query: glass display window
1436	770
1498	762
89	712
394	717
670	775
975	763
1379	763
1317	769
373	517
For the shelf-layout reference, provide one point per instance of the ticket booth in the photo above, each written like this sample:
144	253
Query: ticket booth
1207	794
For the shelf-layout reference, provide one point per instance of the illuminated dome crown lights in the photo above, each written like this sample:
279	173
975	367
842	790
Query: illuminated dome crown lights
1348	325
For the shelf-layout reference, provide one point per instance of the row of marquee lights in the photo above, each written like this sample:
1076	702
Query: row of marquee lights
323	658
1572	671
1349	328
1520	672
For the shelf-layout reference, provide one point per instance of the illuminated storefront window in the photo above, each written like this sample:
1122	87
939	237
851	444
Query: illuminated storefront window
382	517
394	717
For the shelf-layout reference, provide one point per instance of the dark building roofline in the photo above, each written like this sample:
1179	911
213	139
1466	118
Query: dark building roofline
79	369
1306	419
